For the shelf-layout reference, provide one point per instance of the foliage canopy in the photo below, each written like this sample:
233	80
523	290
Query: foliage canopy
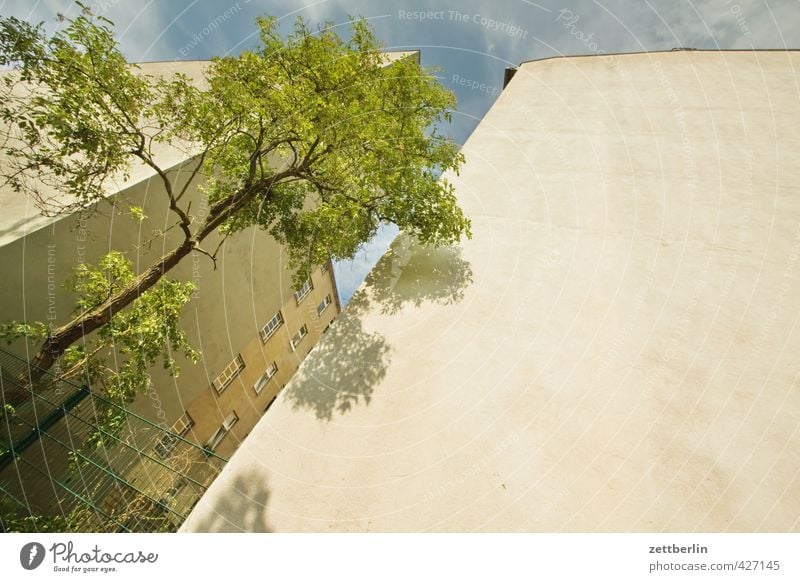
310	137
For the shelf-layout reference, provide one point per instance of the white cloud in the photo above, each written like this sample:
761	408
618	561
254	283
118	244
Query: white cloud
725	24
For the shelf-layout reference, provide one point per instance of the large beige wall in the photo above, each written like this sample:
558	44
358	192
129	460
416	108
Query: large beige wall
616	349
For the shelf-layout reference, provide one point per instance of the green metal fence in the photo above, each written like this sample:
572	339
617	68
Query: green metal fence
145	478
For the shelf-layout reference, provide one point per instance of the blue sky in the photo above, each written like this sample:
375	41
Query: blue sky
472	41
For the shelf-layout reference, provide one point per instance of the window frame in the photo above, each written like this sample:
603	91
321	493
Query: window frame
230	421
166	445
324	304
299	336
304	291
183	424
222	431
169	440
221	386
265	335
268	375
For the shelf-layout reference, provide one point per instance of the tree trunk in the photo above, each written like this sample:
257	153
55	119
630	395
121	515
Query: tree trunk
63	337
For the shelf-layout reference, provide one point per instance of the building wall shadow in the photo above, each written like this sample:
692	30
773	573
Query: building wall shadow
343	370
243	508
410	273
350	361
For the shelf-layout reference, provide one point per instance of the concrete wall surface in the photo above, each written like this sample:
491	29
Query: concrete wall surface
616	349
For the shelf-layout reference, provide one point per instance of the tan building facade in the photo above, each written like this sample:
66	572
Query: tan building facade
225	413
233	302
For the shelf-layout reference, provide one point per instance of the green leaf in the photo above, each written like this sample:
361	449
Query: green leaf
137	212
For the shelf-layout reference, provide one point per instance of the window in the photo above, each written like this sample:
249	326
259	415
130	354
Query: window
183	424
301	293
230	421
271	326
167	443
324	268
298	337
323	306
220	433
266	377
228	374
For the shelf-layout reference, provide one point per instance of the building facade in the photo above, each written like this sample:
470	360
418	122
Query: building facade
253	327
244	389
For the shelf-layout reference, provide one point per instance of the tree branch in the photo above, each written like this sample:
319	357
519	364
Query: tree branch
213	257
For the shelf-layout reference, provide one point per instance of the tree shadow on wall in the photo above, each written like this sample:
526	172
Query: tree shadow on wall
349	362
343	369
410	273
242	509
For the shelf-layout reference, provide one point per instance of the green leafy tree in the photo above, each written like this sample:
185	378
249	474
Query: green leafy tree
309	137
